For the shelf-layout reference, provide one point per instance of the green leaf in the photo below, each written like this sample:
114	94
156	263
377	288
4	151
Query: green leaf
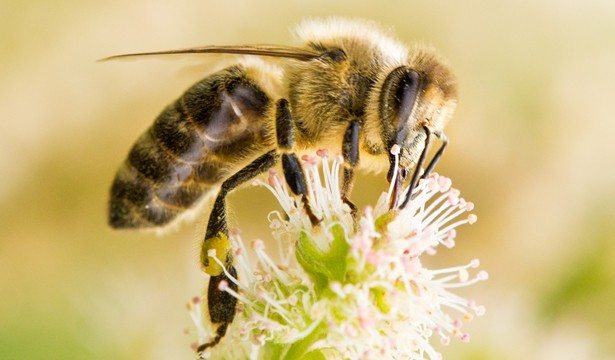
314	355
353	275
384	220
380	299
298	349
272	350
324	266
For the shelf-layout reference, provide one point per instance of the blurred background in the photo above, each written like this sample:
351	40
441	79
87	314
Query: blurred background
532	146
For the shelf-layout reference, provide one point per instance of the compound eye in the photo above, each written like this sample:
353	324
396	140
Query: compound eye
398	97
407	93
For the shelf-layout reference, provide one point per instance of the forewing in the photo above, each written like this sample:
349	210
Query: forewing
258	50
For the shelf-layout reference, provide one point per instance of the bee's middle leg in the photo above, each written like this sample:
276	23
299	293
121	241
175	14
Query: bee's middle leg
293	171
350	152
221	304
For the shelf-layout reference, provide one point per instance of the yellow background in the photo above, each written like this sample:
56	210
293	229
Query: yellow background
532	146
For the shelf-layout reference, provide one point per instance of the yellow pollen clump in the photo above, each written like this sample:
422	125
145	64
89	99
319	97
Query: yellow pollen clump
220	247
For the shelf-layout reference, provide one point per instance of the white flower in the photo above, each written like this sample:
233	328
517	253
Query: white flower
347	289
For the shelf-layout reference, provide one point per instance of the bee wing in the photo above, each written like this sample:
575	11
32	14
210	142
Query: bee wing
258	50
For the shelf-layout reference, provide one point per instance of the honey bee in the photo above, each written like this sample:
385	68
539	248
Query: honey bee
351	86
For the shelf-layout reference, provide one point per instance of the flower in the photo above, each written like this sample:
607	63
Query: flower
348	288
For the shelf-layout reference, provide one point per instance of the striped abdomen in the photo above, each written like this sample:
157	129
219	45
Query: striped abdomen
217	126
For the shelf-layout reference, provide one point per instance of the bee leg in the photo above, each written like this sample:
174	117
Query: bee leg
350	152
419	165
293	171
437	156
221	305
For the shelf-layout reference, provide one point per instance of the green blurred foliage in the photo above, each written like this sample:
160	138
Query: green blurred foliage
584	290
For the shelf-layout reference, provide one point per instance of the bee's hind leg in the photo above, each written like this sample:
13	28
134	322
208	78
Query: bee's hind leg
221	304
293	171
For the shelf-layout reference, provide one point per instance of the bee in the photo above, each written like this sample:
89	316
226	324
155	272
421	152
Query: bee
351	86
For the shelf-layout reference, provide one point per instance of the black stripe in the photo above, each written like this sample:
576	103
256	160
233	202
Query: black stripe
175	132
149	159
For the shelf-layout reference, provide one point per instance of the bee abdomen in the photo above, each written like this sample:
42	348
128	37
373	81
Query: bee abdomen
137	202
176	135
166	172
154	186
215	127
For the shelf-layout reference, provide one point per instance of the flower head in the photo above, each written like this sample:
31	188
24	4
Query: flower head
346	288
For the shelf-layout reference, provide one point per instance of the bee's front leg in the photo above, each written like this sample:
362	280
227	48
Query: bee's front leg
419	165
438	155
293	171
221	305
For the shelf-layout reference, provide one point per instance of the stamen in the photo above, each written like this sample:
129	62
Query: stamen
395	152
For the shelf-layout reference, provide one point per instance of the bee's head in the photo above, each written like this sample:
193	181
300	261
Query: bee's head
418	94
